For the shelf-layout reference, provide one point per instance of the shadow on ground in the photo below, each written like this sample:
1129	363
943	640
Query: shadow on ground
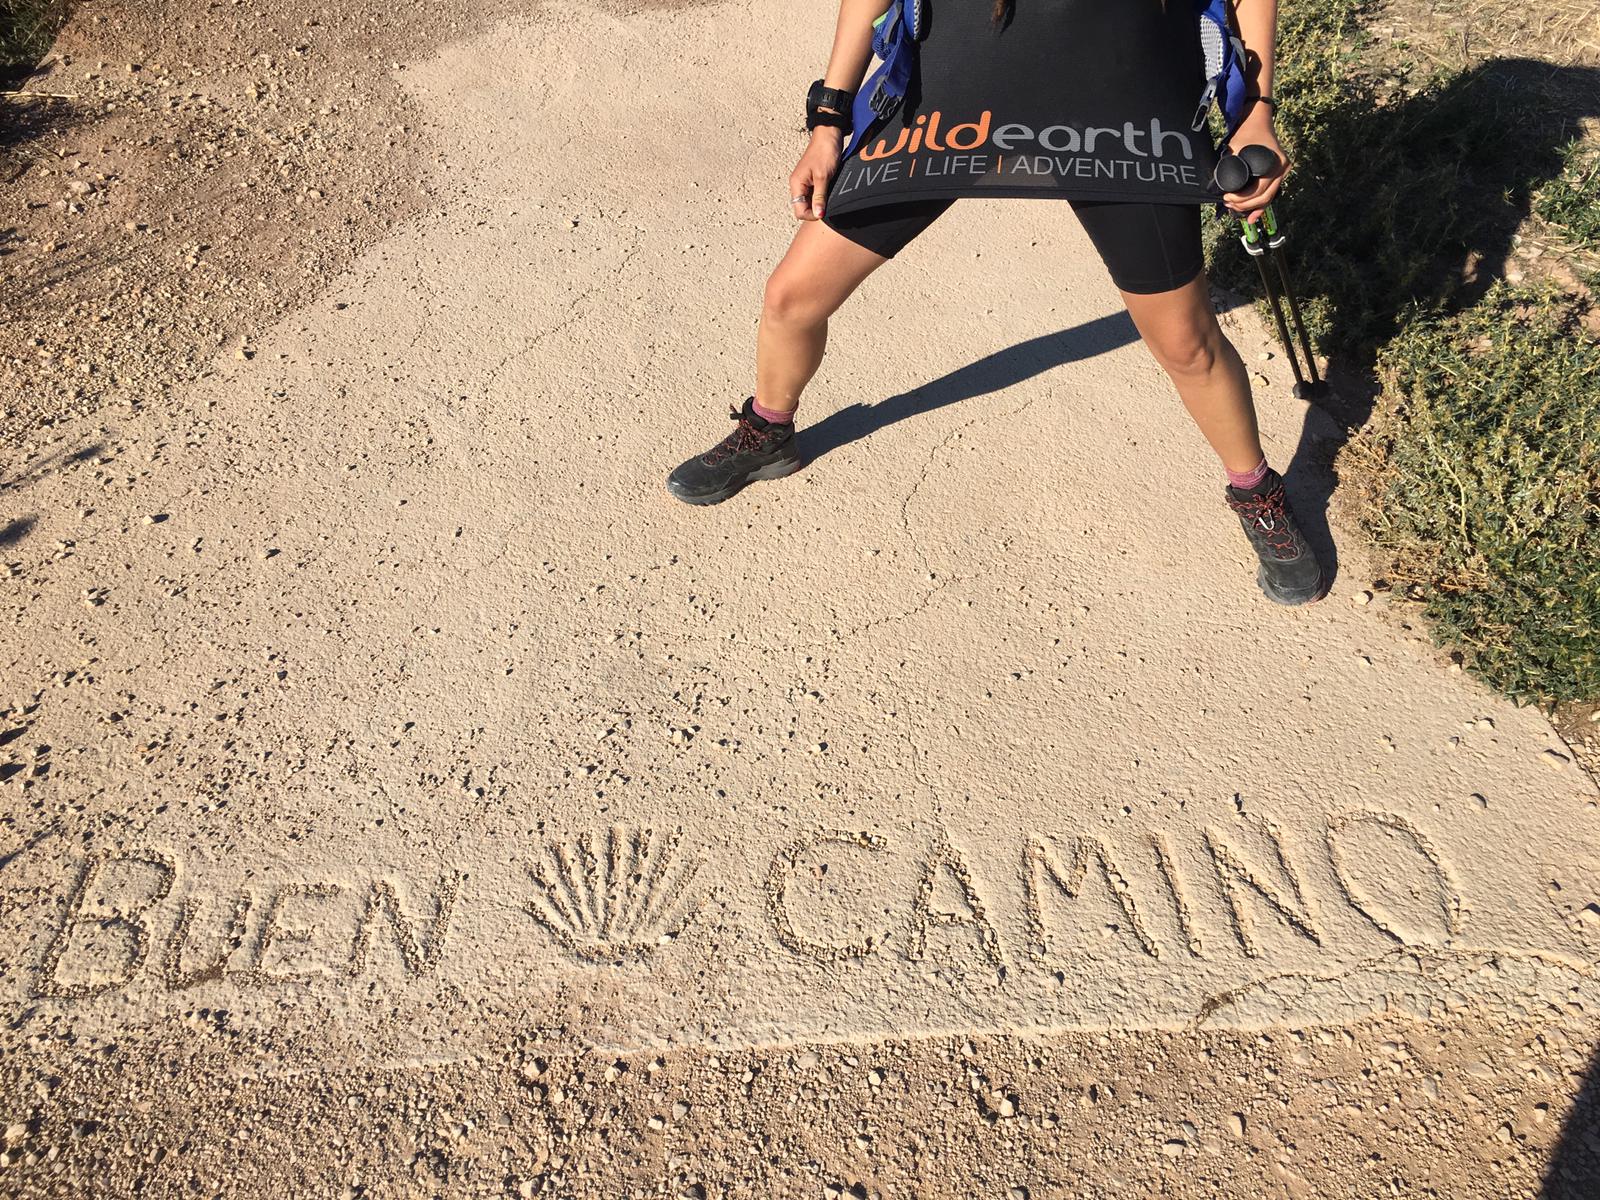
1574	1172
1397	207
1408	205
1404	207
992	373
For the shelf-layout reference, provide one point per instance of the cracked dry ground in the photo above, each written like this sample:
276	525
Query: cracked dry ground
404	798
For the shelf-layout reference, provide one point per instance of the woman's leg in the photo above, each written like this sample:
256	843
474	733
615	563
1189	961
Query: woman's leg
827	260
1154	255
825	263
1180	328
815	277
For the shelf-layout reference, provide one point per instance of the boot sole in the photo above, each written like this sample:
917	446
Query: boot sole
1291	599
775	470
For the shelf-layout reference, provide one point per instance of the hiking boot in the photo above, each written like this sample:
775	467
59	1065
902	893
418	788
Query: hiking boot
1289	571
756	449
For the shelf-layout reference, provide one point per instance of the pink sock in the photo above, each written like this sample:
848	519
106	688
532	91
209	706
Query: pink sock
1245	480
766	414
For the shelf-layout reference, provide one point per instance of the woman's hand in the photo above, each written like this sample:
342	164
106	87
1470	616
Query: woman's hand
1256	130
808	182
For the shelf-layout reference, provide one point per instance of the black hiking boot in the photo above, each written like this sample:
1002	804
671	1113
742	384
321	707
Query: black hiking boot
756	449
1289	571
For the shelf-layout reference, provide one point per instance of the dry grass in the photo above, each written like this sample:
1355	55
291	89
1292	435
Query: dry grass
1457	34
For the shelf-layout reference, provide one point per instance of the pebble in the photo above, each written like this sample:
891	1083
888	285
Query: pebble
1236	1124
1555	758
1362	597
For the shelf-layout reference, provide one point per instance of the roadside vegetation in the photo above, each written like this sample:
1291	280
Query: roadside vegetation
27	27
1445	220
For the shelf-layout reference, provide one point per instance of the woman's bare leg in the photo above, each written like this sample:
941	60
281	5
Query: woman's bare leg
816	276
1180	328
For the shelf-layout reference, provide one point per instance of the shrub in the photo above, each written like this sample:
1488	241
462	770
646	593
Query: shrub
1479	481
27	27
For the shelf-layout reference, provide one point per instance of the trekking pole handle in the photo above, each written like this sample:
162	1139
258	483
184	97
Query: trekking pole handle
1235	172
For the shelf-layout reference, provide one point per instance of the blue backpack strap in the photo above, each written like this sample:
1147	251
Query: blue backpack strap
894	42
1224	65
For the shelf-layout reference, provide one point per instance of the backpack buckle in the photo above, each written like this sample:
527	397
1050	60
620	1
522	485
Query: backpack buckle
882	101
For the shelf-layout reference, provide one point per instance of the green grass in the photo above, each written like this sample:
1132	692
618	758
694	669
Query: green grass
27	27
1481	479
1571	201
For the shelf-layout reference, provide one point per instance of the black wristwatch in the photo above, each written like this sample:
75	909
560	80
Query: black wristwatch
821	97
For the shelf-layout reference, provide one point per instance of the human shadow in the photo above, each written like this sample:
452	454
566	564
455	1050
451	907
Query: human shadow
1574	1171
992	373
1400	208
1405	206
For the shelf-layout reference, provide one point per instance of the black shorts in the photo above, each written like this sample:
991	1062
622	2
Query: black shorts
1147	248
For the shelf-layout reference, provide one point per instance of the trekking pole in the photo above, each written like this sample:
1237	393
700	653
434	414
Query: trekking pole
1255	245
1276	237
1266	238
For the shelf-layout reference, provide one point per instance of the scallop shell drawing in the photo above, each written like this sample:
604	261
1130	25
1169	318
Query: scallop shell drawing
617	895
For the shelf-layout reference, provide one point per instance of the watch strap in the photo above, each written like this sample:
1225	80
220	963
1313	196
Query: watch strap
822	97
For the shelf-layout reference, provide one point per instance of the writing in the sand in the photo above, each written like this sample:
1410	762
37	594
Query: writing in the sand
615	896
1069	889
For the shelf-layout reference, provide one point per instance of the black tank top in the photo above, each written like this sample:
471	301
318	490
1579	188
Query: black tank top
1072	99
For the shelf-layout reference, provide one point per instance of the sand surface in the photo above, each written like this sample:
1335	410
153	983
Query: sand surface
406	796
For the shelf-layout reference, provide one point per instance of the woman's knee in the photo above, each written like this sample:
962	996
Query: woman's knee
1189	349
790	300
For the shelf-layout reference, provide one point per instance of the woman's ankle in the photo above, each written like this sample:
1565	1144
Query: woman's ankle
771	415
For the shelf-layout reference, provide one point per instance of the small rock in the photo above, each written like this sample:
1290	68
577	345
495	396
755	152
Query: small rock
1174	1147
1236	1124
1555	758
1362	597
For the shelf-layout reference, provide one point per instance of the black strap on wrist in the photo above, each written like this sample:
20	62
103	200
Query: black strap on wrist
831	119
1270	101
821	98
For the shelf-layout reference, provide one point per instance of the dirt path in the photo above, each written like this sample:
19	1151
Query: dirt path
406	797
